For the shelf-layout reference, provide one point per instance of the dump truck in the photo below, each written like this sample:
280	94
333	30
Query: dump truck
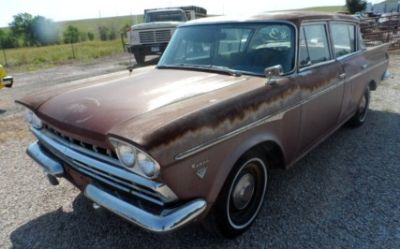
152	36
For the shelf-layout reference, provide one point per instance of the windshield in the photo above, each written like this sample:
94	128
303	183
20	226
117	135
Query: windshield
175	16
241	47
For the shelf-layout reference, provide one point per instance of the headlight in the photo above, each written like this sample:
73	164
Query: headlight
136	160
126	154
148	166
33	120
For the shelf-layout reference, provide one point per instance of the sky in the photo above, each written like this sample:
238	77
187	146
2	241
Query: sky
83	9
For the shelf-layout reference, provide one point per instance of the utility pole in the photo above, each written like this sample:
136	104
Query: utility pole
5	57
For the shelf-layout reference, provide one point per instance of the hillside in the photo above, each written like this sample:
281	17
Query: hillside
91	25
336	8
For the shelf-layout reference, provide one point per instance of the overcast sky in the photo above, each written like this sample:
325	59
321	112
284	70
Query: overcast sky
82	9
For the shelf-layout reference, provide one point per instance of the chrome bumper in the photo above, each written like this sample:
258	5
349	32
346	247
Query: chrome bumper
8	81
168	220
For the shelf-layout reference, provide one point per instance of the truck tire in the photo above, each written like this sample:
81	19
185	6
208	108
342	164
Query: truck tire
241	197
139	57
360	116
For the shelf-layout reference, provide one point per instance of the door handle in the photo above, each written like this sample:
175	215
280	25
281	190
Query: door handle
342	76
364	66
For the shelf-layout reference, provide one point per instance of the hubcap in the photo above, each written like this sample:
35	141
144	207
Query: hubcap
243	191
363	103
246	194
363	108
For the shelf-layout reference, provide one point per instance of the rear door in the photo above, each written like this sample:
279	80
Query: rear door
347	50
320	80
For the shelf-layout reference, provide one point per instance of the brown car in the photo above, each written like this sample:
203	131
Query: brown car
194	137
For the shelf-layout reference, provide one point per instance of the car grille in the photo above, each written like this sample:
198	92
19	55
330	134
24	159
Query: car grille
155	36
104	166
95	149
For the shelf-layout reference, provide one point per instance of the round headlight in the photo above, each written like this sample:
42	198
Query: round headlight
127	155
33	120
150	168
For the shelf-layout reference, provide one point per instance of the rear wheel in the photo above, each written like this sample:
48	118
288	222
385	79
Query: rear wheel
361	115
241	197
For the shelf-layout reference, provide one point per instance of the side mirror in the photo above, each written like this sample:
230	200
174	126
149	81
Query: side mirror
273	71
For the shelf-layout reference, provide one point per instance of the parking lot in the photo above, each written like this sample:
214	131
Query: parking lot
344	194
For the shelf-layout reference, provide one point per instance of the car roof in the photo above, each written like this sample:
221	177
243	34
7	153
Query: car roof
291	16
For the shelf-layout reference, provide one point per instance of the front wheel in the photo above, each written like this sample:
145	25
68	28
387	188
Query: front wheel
241	197
139	57
360	116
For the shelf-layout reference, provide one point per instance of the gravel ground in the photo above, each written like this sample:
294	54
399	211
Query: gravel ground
345	194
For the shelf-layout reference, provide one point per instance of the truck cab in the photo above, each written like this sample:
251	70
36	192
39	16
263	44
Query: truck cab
152	36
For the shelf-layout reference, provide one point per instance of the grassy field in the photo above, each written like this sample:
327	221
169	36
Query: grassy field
29	59
327	8
91	25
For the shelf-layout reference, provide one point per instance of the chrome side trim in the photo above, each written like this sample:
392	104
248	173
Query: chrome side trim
49	165
270	118
229	135
168	220
72	156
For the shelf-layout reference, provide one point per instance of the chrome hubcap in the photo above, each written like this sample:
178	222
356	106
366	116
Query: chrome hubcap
363	103
243	191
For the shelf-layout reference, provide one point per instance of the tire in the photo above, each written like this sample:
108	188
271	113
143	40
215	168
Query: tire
362	110
139	57
241	198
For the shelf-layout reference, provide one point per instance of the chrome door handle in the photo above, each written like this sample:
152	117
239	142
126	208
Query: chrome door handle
342	76
364	66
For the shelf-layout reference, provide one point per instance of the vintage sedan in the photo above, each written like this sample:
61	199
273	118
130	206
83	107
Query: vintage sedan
194	138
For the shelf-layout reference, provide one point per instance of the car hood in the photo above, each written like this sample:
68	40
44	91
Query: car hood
98	107
155	25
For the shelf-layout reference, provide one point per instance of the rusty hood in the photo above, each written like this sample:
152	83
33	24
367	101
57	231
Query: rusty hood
92	110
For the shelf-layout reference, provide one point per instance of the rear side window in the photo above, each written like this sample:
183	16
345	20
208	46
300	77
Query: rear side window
343	38
314	47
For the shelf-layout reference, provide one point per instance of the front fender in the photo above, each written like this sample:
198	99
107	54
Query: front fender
243	145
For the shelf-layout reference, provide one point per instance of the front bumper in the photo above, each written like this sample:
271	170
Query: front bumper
167	220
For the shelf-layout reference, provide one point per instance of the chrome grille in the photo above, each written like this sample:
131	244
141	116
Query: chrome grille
84	145
155	36
100	166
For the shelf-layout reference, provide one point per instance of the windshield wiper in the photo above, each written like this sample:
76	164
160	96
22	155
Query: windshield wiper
212	68
228	70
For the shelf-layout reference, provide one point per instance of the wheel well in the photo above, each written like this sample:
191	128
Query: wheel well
272	152
372	85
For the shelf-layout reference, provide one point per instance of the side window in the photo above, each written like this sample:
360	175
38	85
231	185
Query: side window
314	47
343	38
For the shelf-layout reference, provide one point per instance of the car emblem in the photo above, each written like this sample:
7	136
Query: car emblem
201	168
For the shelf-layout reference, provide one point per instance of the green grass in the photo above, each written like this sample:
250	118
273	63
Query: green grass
330	9
30	59
91	25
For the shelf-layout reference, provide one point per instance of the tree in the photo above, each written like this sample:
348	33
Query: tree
112	35
103	31
354	6
7	40
44	30
21	27
90	36
71	34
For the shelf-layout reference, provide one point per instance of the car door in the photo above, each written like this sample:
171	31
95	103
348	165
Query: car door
320	80
348	52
